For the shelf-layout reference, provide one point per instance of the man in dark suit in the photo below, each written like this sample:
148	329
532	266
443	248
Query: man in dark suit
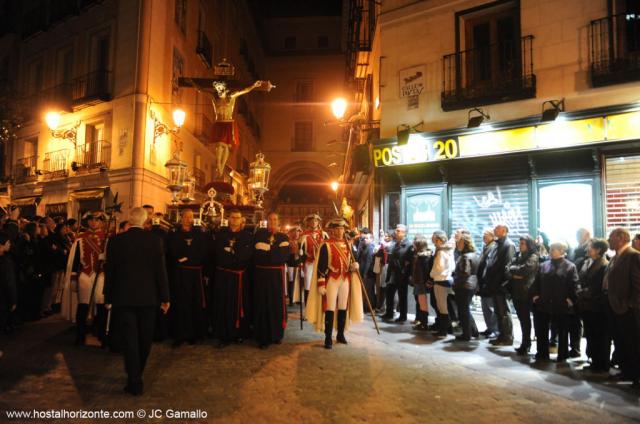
622	283
496	277
398	274
135	285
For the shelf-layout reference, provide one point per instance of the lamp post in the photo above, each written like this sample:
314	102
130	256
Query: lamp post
339	108
259	178
53	122
335	186
160	128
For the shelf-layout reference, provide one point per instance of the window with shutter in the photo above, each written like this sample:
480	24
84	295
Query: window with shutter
623	193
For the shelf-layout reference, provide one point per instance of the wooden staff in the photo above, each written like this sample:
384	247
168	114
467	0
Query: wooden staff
364	290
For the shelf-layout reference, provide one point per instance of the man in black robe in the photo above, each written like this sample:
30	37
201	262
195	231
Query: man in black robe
233	249
270	254
187	247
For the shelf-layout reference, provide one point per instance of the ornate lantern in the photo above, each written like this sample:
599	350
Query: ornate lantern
177	174
259	178
190	190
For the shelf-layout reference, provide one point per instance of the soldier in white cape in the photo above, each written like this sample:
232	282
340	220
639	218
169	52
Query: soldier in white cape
335	286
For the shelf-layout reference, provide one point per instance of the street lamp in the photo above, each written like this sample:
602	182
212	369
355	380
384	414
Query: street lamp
53	121
334	186
339	107
160	128
259	178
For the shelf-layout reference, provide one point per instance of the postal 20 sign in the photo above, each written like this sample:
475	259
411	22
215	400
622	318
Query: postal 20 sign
417	150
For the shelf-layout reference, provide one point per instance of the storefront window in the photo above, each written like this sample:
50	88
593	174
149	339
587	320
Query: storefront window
623	193
424	213
564	208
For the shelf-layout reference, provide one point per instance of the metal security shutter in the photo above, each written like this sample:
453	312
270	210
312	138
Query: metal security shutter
622	175
477	207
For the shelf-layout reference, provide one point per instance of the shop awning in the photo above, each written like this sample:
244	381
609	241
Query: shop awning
88	193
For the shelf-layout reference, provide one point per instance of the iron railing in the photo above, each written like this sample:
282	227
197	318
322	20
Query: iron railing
26	169
614	49
204	50
493	73
362	27
92	155
55	163
91	88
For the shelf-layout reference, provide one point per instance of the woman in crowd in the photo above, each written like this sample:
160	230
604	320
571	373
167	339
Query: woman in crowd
441	274
554	295
380	266
592	302
522	273
465	284
421	266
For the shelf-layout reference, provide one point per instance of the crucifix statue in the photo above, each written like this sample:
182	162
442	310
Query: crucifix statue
223	99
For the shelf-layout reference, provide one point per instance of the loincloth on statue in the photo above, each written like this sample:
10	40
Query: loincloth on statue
226	132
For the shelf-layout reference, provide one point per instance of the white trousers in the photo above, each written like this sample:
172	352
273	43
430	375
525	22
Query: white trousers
85	284
337	294
308	273
441	292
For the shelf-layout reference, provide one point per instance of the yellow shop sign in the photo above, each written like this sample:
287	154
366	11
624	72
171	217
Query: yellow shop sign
417	150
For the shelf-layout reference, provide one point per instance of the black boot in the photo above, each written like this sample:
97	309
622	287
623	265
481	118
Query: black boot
101	324
290	292
435	327
328	329
423	321
443	325
342	320
81	323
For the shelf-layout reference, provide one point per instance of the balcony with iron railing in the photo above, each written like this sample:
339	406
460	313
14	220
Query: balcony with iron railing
614	49
26	170
86	90
495	73
91	88
92	155
361	30
204	50
55	164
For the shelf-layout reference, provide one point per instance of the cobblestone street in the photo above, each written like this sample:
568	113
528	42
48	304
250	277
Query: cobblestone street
400	376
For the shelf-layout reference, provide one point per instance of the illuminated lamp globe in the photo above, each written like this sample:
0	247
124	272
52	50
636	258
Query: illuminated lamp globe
339	107
179	116
53	120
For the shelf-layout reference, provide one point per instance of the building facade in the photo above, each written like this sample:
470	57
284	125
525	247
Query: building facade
111	69
302	140
524	112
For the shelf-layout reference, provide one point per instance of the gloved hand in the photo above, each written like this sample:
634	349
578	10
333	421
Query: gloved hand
263	246
355	266
322	290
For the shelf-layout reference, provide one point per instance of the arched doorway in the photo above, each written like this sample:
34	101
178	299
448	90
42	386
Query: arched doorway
302	189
